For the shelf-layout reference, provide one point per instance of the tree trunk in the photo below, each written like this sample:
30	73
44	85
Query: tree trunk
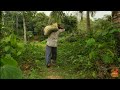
116	20
24	28
13	22
88	21
17	23
2	16
0	23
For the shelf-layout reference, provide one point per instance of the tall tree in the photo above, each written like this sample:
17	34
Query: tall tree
0	23
116	21
88	13
16	16
56	16
27	22
24	27
88	21
39	22
2	17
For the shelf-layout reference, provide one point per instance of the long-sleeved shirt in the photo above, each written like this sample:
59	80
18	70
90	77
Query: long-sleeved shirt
53	38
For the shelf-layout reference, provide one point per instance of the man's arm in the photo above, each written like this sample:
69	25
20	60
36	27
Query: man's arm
61	30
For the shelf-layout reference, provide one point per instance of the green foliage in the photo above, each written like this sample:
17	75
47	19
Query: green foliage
71	38
93	55
30	35
40	21
11	50
0	20
70	23
107	58
56	16
10	72
34	51
87	50
10	46
82	25
77	53
7	48
118	59
13	40
114	31
102	24
90	42
34	74
8	60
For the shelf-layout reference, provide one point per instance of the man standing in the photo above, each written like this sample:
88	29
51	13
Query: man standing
51	46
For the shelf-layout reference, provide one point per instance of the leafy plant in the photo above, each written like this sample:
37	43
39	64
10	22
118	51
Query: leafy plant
8	64
10	72
90	42
8	60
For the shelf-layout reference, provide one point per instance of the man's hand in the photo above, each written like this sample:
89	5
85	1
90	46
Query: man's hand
61	30
60	26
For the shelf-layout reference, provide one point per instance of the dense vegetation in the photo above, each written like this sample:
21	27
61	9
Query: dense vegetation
81	53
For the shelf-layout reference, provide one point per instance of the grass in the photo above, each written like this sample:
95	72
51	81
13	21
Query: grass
71	62
40	71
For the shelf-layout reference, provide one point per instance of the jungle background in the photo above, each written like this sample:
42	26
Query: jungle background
88	49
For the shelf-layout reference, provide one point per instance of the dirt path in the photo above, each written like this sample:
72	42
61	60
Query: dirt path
54	77
53	74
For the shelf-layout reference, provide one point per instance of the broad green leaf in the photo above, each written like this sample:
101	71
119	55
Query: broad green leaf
114	30
13	39
8	60
119	59
92	54
18	53
20	45
107	58
94	74
104	33
7	48
10	72
7	39
90	42
110	52
101	45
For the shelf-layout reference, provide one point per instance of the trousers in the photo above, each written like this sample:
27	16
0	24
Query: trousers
51	53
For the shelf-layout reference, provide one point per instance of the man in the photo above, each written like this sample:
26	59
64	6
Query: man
51	47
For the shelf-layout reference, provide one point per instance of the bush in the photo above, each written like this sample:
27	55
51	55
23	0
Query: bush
70	23
10	54
10	72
